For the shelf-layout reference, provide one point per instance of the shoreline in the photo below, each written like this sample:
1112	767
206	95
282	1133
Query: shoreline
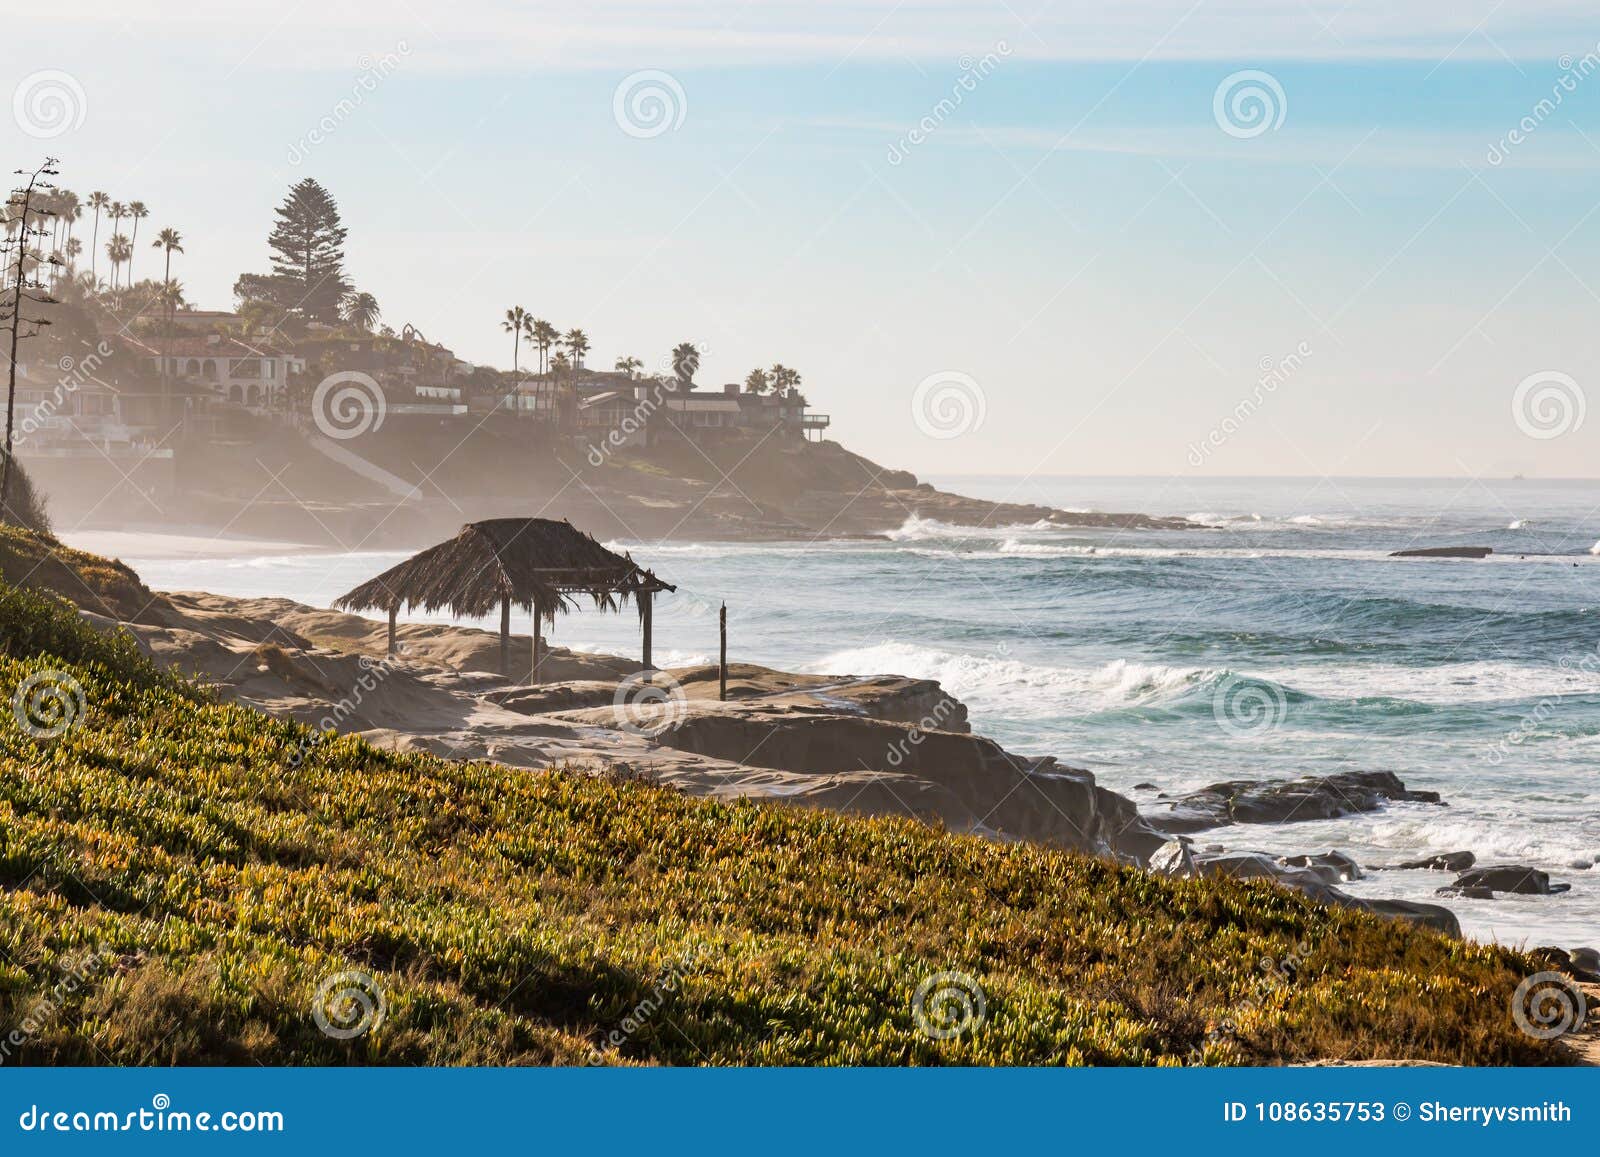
910	739
466	655
881	747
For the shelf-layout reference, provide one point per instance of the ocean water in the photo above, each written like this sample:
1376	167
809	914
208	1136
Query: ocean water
1274	638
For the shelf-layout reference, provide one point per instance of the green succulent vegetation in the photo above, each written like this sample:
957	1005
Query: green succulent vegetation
216	865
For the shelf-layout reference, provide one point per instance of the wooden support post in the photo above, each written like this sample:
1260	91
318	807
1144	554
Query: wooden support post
505	635
646	607
533	676
394	610
722	661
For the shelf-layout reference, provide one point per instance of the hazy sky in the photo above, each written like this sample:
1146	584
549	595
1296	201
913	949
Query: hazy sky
1052	217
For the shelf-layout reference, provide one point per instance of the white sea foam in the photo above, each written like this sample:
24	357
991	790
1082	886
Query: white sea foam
919	529
1026	689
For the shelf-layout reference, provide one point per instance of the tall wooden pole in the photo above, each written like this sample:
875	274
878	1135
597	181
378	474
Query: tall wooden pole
394	609
722	661
505	635
533	676
646	610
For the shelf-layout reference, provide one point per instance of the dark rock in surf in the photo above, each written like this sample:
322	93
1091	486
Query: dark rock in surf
1315	879
1445	552
1443	862
1286	801
1335	861
1518	879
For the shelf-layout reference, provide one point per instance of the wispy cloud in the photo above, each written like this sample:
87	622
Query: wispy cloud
480	34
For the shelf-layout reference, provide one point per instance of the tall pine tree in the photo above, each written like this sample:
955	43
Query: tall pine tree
307	245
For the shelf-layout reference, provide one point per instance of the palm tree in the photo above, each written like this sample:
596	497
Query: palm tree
71	210
172	241
361	310
545	337
97	202
138	212
783	377
685	361
630	366
577	343
757	381
516	316
73	250
118	250
117	211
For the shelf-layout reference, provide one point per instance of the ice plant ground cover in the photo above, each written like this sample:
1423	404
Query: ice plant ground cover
359	906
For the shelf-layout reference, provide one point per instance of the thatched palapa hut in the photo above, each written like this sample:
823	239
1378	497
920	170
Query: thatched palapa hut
537	564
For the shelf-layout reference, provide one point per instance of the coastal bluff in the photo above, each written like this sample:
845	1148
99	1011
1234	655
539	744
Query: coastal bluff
512	901
874	745
737	488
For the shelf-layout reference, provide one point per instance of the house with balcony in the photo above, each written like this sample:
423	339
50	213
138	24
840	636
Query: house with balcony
643	413
254	374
